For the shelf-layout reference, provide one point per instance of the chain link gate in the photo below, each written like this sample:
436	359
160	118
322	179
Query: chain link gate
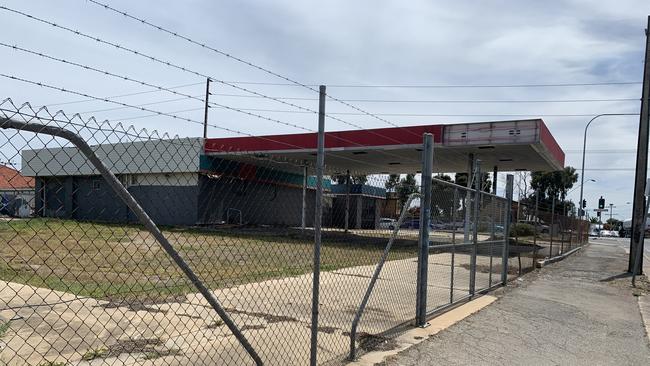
468	246
83	279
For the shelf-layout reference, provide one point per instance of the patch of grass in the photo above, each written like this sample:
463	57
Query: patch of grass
94	353
4	327
215	324
124	263
152	355
52	363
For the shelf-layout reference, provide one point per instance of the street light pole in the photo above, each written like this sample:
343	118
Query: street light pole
584	147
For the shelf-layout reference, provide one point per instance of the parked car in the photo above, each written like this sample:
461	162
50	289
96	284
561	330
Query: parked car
609	233
414	224
387	224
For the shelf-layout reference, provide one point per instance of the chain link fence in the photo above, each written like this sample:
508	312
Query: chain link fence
544	230
131	247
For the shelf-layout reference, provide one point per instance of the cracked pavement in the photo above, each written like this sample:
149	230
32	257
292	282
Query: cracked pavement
562	315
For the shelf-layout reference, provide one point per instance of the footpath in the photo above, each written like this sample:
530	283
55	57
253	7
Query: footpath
579	311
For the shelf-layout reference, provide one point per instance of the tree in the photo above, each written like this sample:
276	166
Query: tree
442	202
354	179
392	182
405	187
461	179
612	224
552	184
594	220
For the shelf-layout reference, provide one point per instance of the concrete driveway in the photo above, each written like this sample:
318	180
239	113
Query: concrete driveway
46	325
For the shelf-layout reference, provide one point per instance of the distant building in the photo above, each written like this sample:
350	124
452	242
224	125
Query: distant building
365	206
16	192
172	181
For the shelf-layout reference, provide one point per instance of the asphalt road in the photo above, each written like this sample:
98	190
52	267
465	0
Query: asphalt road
575	312
624	243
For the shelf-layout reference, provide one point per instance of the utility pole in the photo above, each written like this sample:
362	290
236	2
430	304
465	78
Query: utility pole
611	211
207	105
638	214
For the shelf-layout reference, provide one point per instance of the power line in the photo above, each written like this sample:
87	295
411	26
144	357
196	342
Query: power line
172	115
427	114
450	101
137	105
101	71
140	82
220	52
603	151
442	86
151	58
296	83
182	68
124	95
64	90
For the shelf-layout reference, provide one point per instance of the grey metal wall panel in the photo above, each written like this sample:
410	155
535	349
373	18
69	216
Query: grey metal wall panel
153	156
94	200
168	205
259	203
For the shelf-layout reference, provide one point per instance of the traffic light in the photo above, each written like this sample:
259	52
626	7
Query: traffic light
601	202
584	203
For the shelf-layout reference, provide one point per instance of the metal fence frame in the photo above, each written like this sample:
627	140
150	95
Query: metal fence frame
472	201
144	219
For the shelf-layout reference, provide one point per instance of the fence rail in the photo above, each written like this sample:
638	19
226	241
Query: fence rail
130	247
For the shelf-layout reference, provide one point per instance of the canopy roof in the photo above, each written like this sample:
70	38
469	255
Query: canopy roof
509	145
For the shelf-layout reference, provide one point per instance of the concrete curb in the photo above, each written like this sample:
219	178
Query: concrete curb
543	262
417	335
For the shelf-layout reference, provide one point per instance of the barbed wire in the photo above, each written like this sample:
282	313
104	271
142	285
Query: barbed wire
173	65
125	95
64	90
238	59
172	115
160	88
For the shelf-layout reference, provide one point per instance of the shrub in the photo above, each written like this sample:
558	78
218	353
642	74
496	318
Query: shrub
520	229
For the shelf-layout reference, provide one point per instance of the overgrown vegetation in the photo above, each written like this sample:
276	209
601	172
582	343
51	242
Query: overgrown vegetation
4	327
124	262
521	229
94	353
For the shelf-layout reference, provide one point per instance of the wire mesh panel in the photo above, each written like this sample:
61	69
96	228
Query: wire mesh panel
83	280
466	243
545	229
364	216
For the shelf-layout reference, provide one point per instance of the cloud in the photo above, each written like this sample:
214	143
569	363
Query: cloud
369	42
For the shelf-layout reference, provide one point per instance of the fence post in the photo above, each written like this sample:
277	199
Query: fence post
470	174
550	254
320	163
303	220
492	236
373	280
346	225
142	216
453	243
477	199
425	219
506	229
536	228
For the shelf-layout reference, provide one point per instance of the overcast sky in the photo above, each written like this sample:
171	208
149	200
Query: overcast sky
354	42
